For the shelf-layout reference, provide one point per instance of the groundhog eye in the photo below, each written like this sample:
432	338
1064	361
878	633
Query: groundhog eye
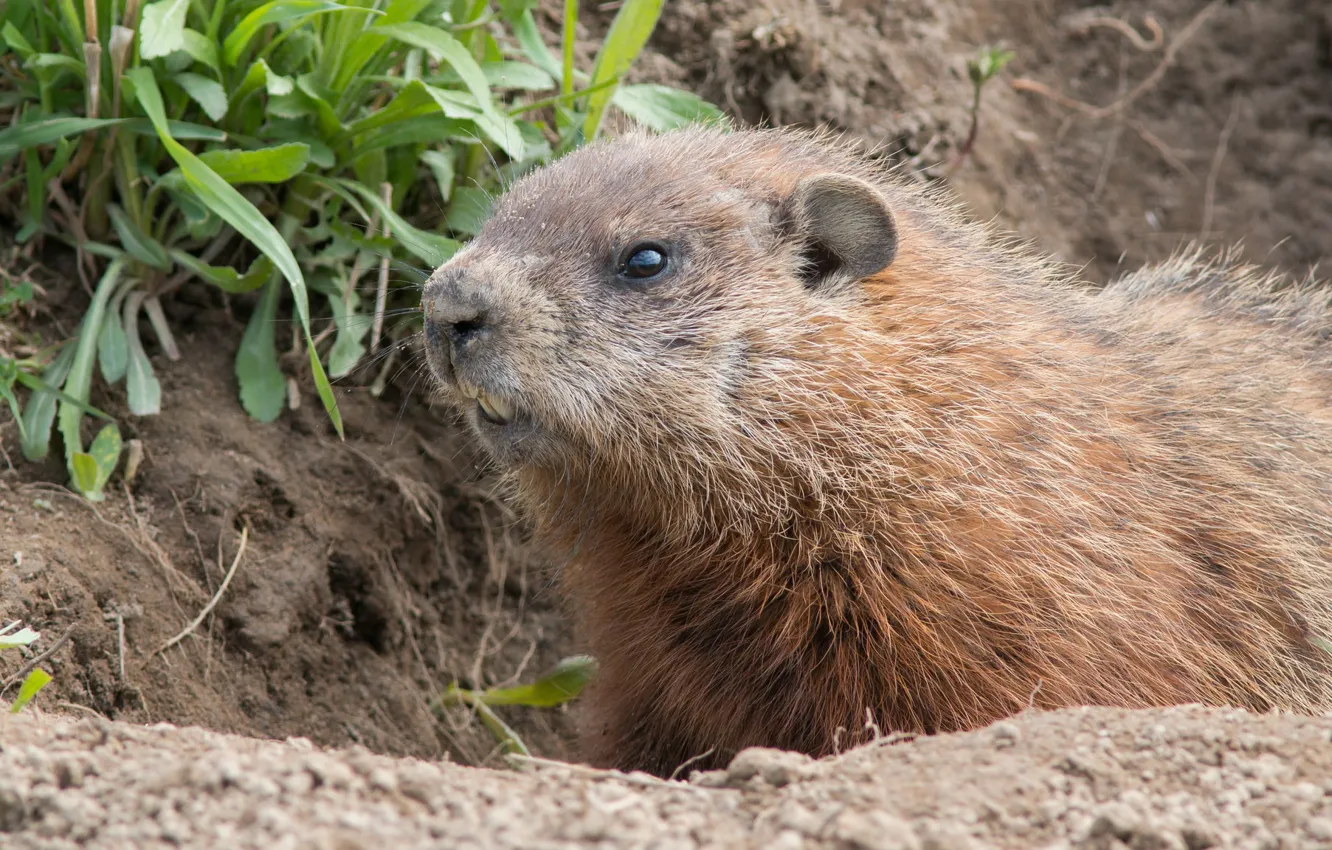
643	261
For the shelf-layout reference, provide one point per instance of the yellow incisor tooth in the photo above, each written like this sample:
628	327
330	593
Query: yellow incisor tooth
494	407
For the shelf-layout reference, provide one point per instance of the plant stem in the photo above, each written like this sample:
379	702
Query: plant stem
567	44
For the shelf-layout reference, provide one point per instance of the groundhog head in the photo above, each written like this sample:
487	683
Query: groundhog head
647	300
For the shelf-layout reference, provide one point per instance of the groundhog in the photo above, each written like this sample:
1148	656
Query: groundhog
818	457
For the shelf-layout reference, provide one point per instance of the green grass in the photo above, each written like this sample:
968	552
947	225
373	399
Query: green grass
320	155
557	687
13	636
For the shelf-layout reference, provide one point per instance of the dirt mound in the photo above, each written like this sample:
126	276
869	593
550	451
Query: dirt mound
375	571
1090	778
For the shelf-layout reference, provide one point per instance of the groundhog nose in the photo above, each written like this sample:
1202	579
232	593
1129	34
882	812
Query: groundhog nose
456	310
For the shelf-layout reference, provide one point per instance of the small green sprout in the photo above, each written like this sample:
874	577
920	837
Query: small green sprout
557	687
988	63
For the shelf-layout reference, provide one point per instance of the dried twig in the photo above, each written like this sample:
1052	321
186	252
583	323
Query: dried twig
1125	29
1091	111
1209	195
32	665
680	768
381	294
120	640
240	551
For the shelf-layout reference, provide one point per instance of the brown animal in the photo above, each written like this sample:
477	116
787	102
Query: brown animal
814	449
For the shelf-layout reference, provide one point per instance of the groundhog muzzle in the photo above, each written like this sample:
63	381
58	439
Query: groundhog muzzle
816	456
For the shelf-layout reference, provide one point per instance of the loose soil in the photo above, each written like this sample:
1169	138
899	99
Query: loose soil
378	569
1179	779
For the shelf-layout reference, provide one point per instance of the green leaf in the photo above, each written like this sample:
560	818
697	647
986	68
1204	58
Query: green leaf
442	46
56	62
276	164
446	48
83	475
320	102
36	384
79	382
347	348
441	165
30	134
112	351
628	33
178	129
663	108
411	101
369	42
529	39
32	684
517	75
209	94
202	50
15	39
232	207
259	74
423	129
558	686
143	389
511	9
39	413
23	637
263	389
138	244
428	247
501	128
226	278
272	12
469	210
162	28
105	452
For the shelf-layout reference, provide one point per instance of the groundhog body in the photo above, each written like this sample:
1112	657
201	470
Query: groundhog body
817	456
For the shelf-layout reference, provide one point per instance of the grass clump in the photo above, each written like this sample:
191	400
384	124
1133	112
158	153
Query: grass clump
285	148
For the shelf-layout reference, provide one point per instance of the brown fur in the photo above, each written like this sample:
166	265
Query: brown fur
958	488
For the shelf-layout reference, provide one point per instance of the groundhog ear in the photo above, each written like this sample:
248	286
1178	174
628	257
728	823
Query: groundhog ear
846	228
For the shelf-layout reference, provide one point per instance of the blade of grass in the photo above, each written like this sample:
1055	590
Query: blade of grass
271	13
232	207
369	42
429	248
138	244
31	134
628	33
79	382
